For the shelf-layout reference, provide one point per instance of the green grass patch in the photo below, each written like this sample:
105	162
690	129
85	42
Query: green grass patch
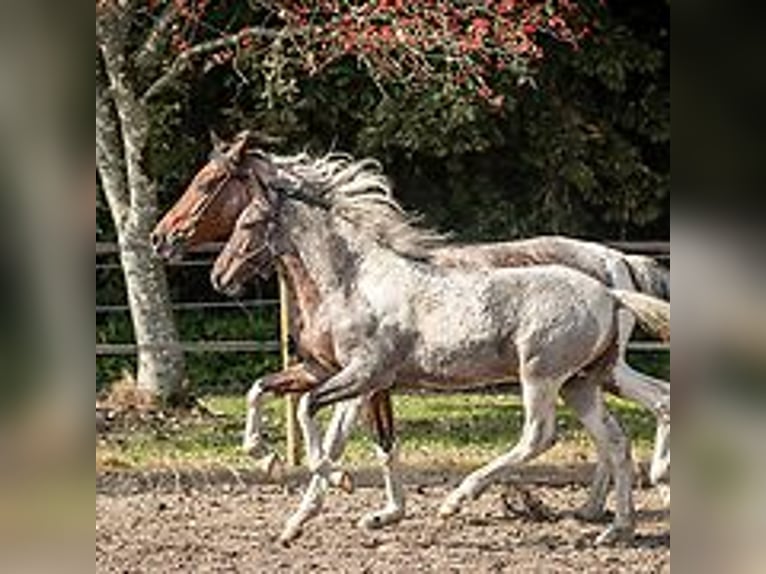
432	429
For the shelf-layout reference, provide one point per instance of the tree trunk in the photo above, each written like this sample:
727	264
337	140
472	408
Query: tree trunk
121	132
160	359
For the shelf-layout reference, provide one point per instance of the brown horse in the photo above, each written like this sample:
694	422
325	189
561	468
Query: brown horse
206	213
208	210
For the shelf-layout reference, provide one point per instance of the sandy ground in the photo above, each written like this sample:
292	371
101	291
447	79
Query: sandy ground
228	522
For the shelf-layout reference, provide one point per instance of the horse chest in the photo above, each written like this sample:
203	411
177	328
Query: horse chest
313	340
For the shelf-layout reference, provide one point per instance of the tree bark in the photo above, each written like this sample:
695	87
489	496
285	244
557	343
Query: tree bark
121	133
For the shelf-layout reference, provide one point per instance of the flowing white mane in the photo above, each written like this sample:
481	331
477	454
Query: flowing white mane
358	191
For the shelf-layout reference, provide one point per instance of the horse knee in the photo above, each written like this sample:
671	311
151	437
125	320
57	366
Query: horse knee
538	436
619	443
307	407
303	410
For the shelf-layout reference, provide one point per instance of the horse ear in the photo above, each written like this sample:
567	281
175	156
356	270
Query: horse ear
217	142
239	145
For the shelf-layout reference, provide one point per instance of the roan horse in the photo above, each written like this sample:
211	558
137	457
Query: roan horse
394	317
208	210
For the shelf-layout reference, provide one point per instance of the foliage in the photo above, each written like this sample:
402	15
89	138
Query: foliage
416	45
580	146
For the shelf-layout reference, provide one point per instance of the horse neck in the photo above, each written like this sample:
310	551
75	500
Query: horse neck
300	285
328	252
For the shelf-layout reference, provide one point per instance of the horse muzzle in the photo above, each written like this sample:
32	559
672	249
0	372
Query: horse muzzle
169	247
227	285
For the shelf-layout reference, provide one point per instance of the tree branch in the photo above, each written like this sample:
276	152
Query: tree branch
109	157
184	59
131	111
150	51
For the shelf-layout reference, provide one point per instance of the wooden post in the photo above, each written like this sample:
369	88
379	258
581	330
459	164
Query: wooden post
291	401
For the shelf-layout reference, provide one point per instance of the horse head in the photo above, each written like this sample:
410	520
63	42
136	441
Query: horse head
251	248
217	195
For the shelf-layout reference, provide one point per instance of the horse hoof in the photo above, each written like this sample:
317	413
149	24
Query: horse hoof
449	508
377	520
614	535
289	535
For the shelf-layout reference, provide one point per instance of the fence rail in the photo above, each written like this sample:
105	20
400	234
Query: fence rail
198	306
229	346
658	249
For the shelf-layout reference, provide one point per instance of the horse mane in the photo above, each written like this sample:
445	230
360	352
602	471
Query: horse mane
359	192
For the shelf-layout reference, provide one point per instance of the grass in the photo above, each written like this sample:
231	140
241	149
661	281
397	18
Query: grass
464	429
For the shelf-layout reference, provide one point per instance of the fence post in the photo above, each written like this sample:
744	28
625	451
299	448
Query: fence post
291	400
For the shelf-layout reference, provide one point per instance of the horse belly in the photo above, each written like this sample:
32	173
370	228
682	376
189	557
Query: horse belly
563	332
464	346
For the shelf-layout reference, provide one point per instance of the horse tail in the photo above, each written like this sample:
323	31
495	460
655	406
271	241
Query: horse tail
649	276
652	313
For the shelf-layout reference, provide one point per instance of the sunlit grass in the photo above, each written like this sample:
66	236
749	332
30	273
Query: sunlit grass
435	429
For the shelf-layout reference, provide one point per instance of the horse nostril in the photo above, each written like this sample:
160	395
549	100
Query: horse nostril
155	239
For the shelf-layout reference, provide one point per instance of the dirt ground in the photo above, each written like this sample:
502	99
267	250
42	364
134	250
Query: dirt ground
228	522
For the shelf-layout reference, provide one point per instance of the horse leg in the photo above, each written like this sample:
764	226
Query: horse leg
296	378
593	508
313	498
381	415
660	468
253	439
356	379
383	426
651	392
584	397
537	436
353	376
338	431
320	458
654	394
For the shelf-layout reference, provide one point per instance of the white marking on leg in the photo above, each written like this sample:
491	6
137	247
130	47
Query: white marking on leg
252	440
394	509
660	469
311	433
311	504
338	431
340	427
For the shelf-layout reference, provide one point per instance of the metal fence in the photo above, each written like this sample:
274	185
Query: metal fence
204	256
